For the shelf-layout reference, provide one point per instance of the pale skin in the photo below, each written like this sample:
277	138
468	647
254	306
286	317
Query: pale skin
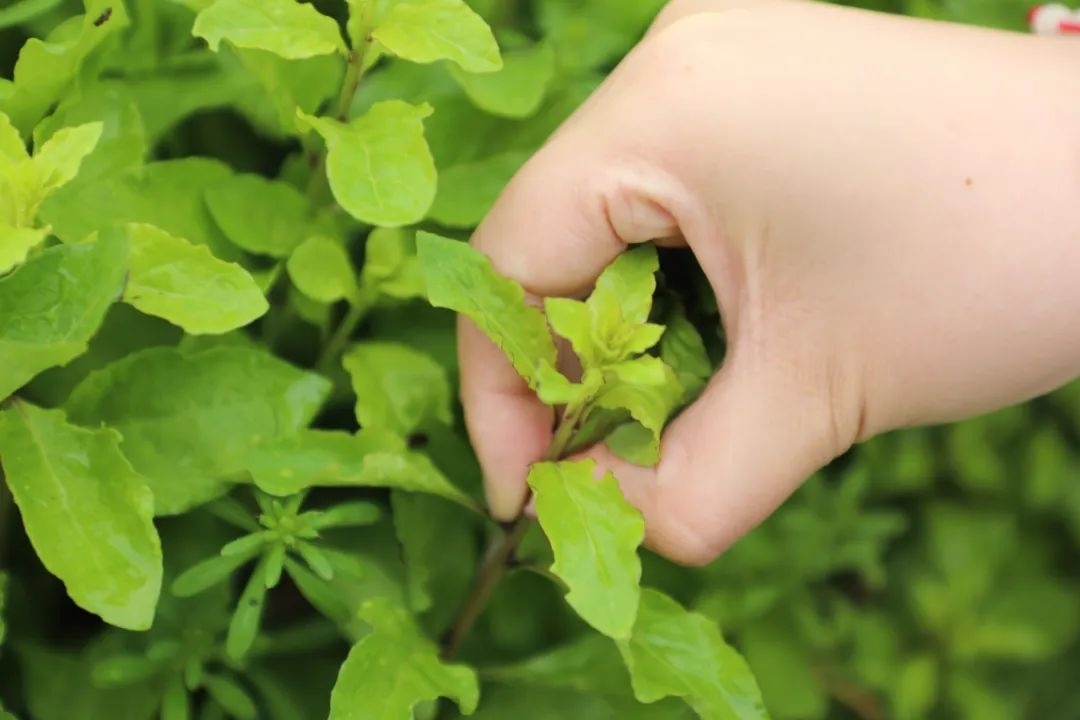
887	209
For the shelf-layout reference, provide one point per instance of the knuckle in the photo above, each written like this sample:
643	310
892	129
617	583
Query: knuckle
681	539
684	524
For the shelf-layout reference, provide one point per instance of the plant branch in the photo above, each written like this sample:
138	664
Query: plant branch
492	570
354	73
865	704
358	308
501	554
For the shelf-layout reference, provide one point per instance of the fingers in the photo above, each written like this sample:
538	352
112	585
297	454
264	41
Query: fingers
565	216
509	427
731	459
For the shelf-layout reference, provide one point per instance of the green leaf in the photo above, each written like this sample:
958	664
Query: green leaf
210	572
287	28
629	282
57	162
587	36
280	87
397	388
556	389
231	697
45	669
26	182
611	325
379	166
174	703
22	11
261	216
220	404
391	265
16	244
352	514
12	147
435	537
591	663
516	90
122	144
46	69
186	285
425	31
467	191
595	534
395	668
245	544
53	305
462	279
244	626
168	195
327	458
784	668
274	565
19	194
683	349
633	443
87	512
571	320
320	268
648	389
680	653
315	560
539	702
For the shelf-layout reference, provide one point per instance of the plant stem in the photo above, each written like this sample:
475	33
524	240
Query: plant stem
491	572
354	73
358	307
501	554
858	700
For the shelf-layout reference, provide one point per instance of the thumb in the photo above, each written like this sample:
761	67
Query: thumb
735	455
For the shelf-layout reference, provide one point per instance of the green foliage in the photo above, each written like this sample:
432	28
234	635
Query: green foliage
379	166
594	535
185	284
394	668
229	432
397	387
75	489
673	652
467	191
53	305
428	30
260	216
222	403
594	532
464	281
328	458
284	27
320	269
26	181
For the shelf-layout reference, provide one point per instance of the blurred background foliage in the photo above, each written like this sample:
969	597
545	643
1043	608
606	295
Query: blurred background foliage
929	573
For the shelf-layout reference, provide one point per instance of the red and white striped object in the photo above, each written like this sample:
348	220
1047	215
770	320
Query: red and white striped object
1053	19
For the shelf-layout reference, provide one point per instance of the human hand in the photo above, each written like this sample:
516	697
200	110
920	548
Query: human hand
884	207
